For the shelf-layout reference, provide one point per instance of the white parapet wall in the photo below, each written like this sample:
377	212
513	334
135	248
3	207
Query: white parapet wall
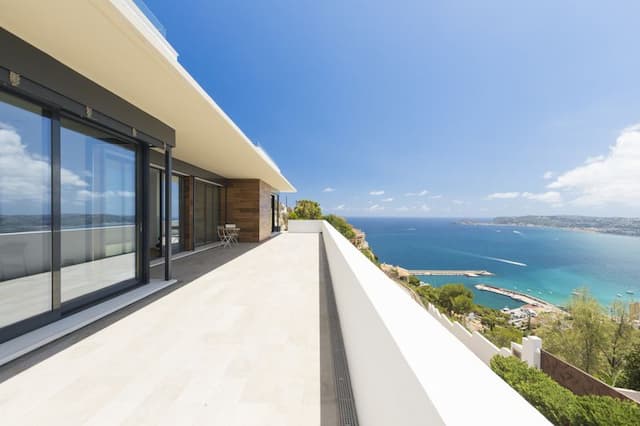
305	226
406	367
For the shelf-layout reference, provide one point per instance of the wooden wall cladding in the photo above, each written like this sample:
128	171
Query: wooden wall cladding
248	205
265	210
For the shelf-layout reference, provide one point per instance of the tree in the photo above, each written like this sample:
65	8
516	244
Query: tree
452	297
618	342
462	304
414	281
589	324
341	226
581	338
306	209
631	377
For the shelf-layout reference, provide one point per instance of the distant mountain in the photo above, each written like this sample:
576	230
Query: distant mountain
607	225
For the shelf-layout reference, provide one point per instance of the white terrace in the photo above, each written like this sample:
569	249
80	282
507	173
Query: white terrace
250	336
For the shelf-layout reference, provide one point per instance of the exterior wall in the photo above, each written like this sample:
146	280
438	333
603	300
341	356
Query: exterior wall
265	210
574	379
248	205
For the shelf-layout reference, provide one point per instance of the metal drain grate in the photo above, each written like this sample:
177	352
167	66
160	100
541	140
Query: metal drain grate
346	407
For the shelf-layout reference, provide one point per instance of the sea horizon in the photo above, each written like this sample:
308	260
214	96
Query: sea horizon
545	262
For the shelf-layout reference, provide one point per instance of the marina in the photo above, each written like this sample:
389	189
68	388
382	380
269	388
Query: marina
520	297
451	272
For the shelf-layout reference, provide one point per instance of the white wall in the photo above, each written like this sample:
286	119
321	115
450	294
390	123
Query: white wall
405	367
305	226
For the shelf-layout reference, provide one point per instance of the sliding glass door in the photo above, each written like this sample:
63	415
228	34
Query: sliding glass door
98	210
25	210
206	212
157	240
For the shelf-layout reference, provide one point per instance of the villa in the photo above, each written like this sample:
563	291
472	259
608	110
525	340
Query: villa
118	176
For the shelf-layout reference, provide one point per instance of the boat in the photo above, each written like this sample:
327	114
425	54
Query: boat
618	295
629	291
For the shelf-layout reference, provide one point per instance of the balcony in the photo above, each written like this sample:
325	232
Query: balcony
255	335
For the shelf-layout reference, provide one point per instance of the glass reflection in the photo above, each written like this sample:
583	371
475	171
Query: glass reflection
25	210
98	210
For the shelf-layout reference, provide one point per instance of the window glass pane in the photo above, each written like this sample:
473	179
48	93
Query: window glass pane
200	212
98	210
206	212
176	214
25	210
155	231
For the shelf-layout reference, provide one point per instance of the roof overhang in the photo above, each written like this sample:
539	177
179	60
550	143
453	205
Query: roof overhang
115	45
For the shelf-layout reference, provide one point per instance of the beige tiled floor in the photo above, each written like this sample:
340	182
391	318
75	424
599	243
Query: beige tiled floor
238	345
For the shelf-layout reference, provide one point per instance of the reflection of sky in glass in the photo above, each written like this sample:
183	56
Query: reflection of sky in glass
25	172
175	197
98	177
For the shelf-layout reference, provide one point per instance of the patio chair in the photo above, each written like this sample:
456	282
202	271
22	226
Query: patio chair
233	231
224	236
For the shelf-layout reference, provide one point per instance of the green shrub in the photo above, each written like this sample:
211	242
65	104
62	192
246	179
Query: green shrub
306	209
559	404
341	225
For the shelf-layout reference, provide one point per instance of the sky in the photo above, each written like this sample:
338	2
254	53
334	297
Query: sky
429	108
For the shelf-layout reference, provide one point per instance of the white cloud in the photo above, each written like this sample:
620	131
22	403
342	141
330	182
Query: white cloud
425	208
402	209
387	200
547	175
26	176
552	197
435	197
380	192
458	202
417	194
340	207
503	195
83	194
611	178
328	189
376	207
595	159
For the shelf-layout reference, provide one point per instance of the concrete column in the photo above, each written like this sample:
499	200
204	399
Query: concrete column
531	351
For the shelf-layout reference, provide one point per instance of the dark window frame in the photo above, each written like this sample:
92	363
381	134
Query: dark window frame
37	95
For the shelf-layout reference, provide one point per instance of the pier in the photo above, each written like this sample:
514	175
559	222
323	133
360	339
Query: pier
450	272
520	297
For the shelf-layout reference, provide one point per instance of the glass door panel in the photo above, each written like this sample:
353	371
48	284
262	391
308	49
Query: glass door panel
155	205
206	213
25	210
98	206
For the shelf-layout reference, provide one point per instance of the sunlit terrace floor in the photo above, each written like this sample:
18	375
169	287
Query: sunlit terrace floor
241	341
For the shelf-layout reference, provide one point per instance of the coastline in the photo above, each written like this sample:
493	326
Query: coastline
530	301
563	228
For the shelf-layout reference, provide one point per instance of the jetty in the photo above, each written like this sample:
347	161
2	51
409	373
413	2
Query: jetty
451	272
520	297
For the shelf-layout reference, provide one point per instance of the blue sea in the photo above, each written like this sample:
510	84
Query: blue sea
544	262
